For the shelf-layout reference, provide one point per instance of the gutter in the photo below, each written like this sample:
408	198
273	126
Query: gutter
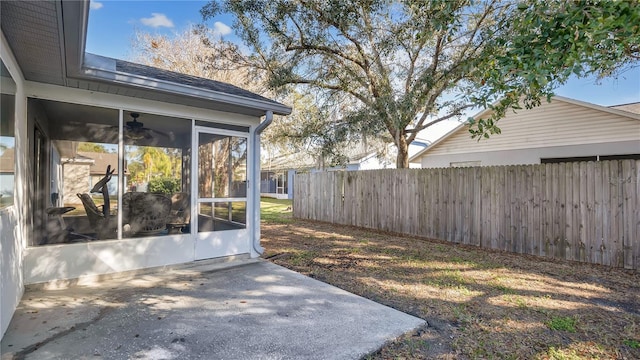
256	171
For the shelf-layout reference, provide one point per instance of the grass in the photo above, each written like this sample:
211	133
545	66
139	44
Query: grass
562	324
477	303
560	354
6	200
634	344
275	211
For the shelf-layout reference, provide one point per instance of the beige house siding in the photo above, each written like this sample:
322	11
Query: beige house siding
76	180
555	124
529	156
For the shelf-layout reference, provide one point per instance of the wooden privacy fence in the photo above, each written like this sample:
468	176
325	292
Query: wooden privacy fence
582	211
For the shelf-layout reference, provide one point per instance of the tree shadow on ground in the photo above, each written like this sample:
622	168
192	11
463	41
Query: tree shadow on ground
478	303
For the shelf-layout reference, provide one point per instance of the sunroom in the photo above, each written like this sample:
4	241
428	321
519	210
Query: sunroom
109	166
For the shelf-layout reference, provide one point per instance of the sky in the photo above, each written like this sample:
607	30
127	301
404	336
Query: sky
112	24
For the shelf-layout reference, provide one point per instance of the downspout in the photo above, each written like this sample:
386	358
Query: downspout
256	180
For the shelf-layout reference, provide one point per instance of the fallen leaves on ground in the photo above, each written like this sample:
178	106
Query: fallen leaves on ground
477	303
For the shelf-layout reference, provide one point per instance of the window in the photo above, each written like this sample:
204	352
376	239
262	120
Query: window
568	159
619	157
156	154
79	143
590	158
7	137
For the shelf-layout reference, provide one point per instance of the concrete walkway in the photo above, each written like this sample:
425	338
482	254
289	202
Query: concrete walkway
251	310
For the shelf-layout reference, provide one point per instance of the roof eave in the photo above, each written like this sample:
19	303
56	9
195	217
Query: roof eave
598	107
137	81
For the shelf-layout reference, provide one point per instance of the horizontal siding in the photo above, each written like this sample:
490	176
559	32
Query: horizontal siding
552	124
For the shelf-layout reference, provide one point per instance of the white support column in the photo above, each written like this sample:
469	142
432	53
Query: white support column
13	240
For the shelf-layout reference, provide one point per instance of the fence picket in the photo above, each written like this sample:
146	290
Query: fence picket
628	221
616	216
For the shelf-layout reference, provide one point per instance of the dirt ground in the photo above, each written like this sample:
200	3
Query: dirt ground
478	304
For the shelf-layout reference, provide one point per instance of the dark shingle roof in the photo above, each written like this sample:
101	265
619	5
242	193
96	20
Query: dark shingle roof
165	75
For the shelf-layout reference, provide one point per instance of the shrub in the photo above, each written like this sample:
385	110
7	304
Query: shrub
164	185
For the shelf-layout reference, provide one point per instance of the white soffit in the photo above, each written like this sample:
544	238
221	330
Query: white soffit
33	32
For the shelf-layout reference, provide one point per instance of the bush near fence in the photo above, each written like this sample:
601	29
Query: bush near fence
581	211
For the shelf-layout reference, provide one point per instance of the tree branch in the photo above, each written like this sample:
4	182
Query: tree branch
302	81
456	112
326	50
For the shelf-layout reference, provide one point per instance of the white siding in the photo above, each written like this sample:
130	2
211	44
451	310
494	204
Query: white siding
552	124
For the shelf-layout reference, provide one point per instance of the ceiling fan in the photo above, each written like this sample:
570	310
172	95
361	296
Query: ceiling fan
135	130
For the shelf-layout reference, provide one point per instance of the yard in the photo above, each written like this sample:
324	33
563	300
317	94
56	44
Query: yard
478	303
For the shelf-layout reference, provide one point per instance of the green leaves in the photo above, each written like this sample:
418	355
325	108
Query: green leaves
546	42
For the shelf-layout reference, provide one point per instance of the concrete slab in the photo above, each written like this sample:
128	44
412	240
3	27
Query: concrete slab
254	311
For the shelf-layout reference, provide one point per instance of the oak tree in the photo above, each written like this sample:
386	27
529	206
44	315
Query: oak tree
397	67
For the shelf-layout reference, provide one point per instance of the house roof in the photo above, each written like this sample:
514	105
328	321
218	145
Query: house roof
356	153
631	107
198	82
485	112
100	161
48	41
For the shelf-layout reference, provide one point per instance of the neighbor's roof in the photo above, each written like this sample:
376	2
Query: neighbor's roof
48	41
101	161
355	153
631	107
485	112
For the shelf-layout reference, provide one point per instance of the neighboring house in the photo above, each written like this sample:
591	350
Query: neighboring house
632	107
61	96
6	173
277	183
559	131
82	172
277	175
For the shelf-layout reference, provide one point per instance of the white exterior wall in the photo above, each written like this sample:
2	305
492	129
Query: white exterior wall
70	261
275	196
372	162
12	219
552	130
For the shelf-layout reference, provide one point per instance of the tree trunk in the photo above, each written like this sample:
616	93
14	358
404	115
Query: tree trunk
402	160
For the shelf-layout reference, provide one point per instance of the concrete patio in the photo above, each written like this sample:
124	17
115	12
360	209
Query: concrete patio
246	309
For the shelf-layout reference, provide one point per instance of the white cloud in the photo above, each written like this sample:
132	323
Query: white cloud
221	29
95	5
157	20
